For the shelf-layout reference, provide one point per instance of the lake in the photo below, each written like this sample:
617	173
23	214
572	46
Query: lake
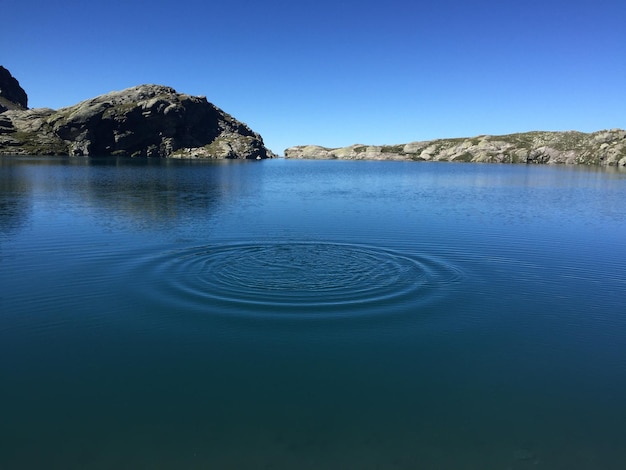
284	314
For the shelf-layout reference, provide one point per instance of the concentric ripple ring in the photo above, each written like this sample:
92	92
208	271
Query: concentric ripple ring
297	277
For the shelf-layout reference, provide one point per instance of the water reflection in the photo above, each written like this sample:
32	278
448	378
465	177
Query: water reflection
15	197
144	193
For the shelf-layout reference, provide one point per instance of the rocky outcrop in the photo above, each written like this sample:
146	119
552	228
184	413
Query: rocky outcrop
144	121
12	95
604	148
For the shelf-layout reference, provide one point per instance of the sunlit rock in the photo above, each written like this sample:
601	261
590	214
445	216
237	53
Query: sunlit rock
607	147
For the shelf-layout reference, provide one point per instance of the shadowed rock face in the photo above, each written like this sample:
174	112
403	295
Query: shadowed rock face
143	121
12	95
598	148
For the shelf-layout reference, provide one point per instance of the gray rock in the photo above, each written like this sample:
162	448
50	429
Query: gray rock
607	147
146	121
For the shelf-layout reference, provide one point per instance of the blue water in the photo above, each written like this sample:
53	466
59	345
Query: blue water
311	314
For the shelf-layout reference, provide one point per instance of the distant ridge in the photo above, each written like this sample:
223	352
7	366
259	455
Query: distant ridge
607	147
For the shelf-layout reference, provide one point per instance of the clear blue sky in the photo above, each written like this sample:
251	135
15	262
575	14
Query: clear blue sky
337	72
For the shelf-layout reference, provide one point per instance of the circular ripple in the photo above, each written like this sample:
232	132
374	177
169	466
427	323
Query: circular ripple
297	277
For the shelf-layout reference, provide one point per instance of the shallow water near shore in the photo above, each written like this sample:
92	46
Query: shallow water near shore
311	314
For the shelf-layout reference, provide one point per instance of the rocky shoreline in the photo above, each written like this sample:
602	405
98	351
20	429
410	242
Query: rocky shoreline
157	121
607	147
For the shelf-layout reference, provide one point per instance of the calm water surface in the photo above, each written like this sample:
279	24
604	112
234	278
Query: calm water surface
311	315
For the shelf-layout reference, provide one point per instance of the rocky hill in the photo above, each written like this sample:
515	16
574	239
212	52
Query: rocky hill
146	121
603	147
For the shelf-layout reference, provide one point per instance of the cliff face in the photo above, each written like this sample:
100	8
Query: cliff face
603	147
12	95
147	121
